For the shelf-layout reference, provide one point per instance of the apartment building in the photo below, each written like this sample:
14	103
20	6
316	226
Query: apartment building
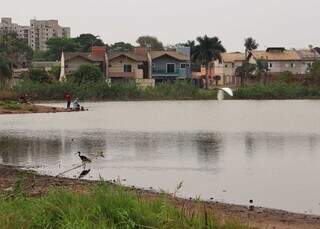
7	26
37	33
42	30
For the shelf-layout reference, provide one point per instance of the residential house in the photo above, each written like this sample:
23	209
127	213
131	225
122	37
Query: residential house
278	60
128	65
226	68
71	61
143	66
170	65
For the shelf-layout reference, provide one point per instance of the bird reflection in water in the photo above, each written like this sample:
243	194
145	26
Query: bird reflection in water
84	173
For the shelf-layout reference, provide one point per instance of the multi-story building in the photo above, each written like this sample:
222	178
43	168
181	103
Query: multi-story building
37	33
42	30
7	26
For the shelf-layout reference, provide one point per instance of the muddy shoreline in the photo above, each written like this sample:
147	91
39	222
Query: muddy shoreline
32	109
259	218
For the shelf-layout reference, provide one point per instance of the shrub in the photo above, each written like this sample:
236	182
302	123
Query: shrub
86	73
37	75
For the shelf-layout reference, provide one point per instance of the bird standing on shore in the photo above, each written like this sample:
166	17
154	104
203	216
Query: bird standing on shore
84	159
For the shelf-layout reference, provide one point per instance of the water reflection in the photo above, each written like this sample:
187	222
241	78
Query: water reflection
275	165
209	147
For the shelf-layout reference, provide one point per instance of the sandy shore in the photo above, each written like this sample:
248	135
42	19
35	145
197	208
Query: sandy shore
38	185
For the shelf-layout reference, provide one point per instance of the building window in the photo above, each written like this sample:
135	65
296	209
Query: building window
188	65
270	65
292	65
182	65
225	65
127	68
309	65
140	66
171	68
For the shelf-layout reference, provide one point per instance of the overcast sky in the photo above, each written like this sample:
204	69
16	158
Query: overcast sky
289	23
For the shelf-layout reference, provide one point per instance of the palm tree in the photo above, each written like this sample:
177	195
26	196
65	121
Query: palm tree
250	44
209	49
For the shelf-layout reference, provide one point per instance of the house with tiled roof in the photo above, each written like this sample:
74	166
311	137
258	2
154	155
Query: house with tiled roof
278	60
129	65
138	64
71	61
170	65
226	68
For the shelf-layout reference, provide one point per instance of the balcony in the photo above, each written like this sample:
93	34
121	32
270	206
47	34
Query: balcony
164	72
136	74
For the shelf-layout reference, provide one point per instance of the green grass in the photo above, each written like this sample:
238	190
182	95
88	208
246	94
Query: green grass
10	105
101	91
102	207
278	90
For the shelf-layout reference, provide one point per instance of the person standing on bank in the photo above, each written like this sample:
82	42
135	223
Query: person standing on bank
68	98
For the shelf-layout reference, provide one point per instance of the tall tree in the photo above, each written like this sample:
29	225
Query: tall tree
209	49
191	44
87	40
121	47
150	42
5	69
15	50
58	45
250	44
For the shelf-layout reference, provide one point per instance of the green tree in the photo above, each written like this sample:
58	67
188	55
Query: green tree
5	69
250	44
57	45
121	47
150	42
191	44
245	70
209	49
39	75
315	72
87	40
86	73
15	50
55	72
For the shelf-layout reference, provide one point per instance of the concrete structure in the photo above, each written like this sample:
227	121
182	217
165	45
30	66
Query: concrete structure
37	33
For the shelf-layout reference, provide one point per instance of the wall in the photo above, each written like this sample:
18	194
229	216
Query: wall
160	67
117	66
75	63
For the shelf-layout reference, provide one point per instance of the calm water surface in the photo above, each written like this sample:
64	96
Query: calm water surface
231	151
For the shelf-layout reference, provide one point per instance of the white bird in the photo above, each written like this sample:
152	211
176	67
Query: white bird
221	91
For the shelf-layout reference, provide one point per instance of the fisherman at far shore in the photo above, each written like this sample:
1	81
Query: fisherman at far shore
68	98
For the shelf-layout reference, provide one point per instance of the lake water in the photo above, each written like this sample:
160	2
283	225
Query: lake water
232	151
